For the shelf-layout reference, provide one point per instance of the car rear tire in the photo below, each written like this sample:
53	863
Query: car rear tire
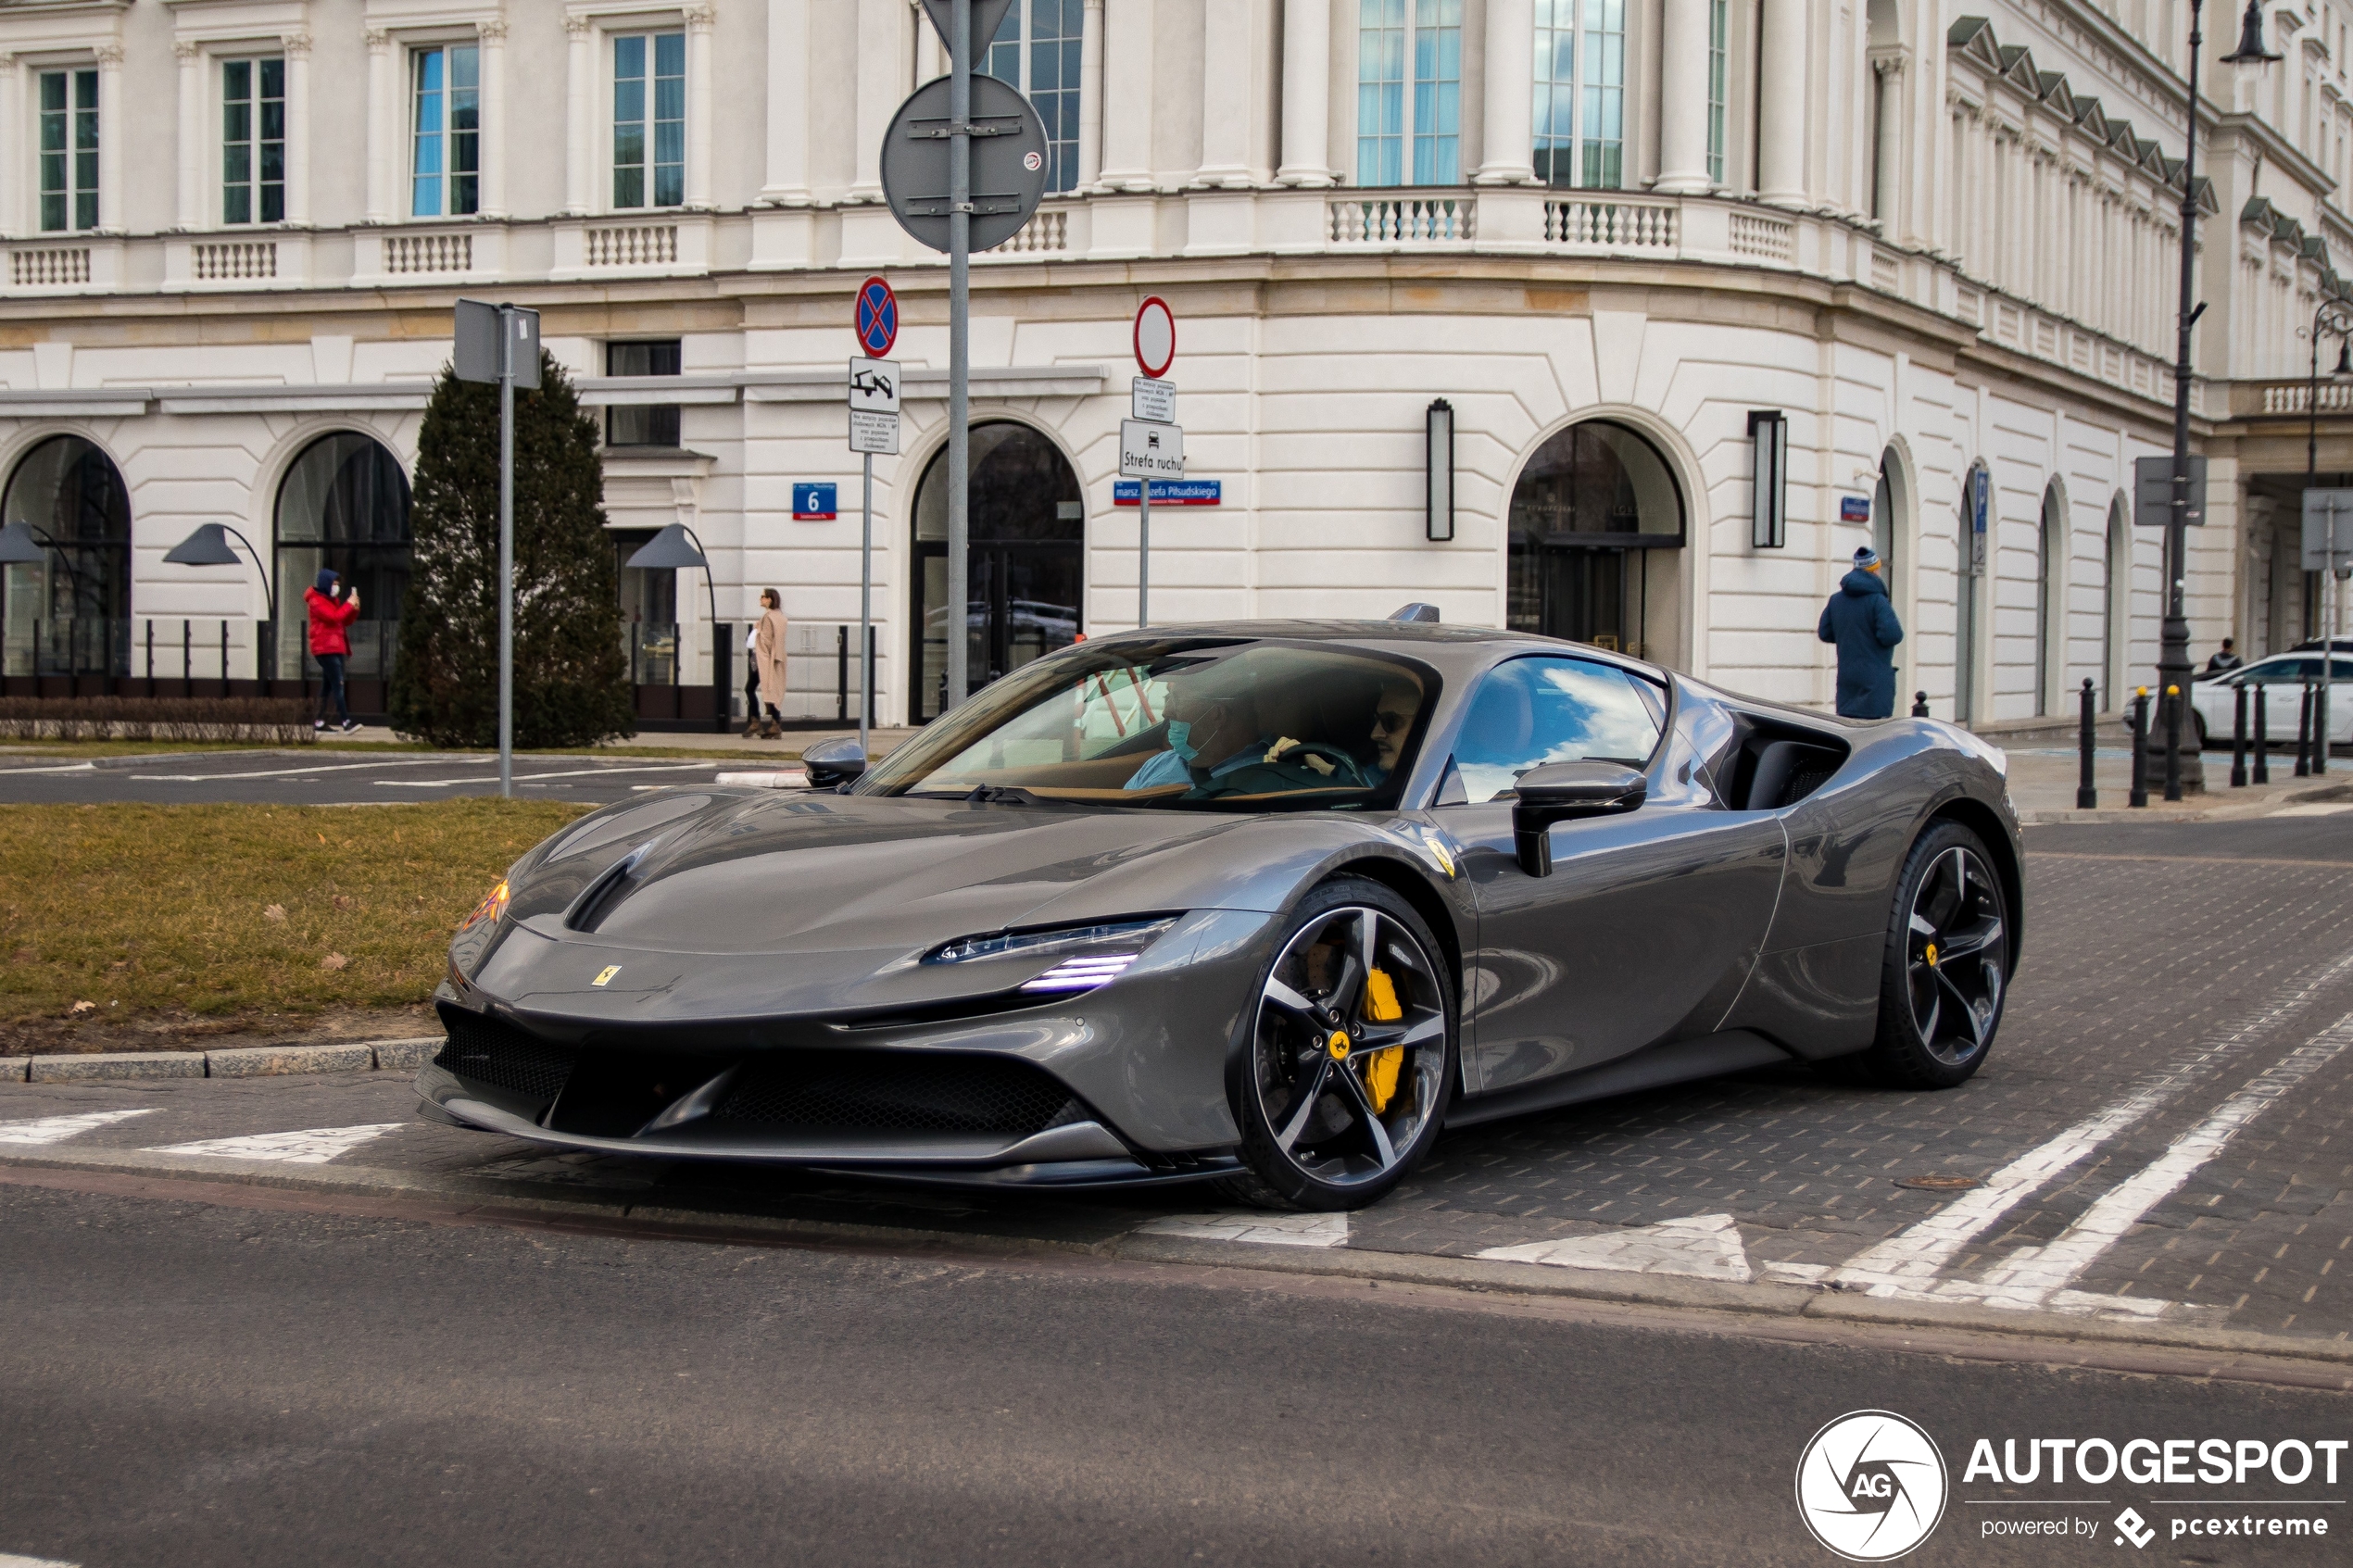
1946	970
1329	1120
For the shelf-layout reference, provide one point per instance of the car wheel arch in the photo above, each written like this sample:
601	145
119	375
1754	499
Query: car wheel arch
1410	884
1981	820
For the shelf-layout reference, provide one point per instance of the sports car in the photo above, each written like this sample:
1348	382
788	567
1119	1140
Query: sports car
1269	903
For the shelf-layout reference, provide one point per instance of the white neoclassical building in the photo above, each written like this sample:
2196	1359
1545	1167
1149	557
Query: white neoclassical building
1931	247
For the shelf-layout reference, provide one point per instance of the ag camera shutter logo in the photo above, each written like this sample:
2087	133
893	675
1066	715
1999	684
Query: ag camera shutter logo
1871	1486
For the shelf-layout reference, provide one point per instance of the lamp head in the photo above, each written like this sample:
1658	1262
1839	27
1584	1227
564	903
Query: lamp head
2250	51
19	548
2344	370
670	550
208	545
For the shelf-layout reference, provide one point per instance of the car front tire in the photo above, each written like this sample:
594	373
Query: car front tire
1346	1067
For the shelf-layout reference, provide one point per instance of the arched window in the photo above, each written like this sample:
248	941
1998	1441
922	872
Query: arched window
1977	505
1026	543
2116	619
1595	503
71	613
344	504
2050	579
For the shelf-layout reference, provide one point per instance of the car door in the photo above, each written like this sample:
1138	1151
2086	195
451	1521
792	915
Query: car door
1650	920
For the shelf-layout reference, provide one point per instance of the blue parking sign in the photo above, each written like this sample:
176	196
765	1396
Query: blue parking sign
812	503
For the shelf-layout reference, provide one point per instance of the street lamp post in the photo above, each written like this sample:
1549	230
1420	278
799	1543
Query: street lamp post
208	545
2173	654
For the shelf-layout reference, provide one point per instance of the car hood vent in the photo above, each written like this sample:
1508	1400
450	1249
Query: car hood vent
598	898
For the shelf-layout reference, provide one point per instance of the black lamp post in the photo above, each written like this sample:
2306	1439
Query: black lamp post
2336	317
2173	654
208	545
675	549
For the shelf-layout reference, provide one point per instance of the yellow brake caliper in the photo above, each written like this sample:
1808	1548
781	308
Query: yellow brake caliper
1381	1067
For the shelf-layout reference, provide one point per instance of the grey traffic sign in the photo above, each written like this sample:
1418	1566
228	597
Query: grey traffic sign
987	16
2153	491
2328	513
1008	163
873	385
478	328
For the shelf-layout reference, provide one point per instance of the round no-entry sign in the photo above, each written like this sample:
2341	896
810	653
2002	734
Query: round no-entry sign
1155	337
877	318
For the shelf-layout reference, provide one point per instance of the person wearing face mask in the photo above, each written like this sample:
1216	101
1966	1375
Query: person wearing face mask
1214	752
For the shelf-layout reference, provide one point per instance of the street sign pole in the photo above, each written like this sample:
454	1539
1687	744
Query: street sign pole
960	237
506	553
1143	552
866	604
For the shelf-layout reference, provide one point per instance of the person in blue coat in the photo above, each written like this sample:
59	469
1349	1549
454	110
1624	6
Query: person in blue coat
1862	623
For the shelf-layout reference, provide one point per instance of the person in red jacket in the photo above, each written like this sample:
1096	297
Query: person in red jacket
333	608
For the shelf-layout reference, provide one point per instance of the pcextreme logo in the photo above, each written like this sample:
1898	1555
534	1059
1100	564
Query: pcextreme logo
1871	1486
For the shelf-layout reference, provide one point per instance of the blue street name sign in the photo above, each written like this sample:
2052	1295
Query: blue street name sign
1853	508
1170	493
812	503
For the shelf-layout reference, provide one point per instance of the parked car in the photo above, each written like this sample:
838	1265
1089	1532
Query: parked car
2214	702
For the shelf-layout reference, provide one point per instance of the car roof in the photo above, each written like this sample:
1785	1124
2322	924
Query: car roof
1483	645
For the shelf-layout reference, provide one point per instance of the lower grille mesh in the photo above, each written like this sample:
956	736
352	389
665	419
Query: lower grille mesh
897	1092
503	1057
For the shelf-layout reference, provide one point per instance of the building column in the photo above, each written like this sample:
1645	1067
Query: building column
1782	103
700	88
580	121
1127	81
16	216
1091	96
189	210
883	61
491	36
787	182
1226	116
384	136
112	117
1307	93
297	52
1509	158
1682	99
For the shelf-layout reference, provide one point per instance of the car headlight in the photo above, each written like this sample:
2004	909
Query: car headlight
1099	952
492	905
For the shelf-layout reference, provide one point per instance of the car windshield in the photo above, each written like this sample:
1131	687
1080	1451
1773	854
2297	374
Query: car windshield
1194	723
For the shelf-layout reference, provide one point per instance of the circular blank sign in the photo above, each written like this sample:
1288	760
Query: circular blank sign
1155	337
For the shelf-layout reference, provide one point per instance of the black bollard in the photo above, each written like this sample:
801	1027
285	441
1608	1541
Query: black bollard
2304	734
2238	739
1919	704
2139	794
2087	795
2262	734
2173	743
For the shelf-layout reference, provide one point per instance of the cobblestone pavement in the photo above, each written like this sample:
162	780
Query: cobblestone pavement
2162	1132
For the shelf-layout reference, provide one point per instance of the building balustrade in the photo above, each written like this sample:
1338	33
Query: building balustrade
1718	231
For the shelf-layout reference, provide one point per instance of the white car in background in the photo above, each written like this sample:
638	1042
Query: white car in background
2214	699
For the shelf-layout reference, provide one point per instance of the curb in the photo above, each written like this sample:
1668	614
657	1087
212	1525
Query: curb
2216	807
257	1062
2131	1346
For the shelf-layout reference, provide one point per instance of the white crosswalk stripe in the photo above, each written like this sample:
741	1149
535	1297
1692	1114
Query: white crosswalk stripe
57	1129
9	1561
313	1145
1250	1225
1703	1247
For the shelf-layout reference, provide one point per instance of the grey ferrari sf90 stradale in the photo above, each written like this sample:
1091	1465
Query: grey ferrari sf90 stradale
1269	903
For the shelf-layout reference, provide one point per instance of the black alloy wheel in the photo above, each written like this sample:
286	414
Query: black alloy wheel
1948	967
1350	1061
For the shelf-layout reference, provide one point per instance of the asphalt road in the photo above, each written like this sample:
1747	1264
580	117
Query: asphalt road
346	778
190	1384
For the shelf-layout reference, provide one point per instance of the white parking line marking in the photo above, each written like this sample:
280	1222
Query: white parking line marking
1907	1263
1703	1247
1250	1225
57	1129
533	778
53	767
9	1561
288	773
314	1147
2029	1277
792	778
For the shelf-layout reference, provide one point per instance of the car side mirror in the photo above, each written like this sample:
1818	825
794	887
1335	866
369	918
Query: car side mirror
833	763
1561	792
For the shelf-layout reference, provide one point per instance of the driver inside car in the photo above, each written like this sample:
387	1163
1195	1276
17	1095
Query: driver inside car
1214	748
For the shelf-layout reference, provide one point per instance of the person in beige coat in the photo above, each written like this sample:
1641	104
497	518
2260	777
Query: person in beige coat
767	654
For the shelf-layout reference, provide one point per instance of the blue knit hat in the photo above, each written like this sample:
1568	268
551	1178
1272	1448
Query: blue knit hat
1866	558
